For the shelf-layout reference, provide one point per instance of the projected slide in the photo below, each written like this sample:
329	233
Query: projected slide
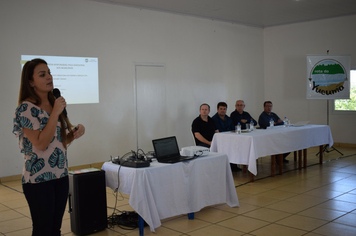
76	77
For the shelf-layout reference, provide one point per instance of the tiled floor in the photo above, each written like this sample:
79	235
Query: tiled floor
319	200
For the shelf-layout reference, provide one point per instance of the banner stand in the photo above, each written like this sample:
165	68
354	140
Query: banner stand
326	146
328	77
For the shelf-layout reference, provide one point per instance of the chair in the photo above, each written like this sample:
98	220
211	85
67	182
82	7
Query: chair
195	144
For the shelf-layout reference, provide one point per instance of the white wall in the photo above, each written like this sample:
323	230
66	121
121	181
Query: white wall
206	61
285	50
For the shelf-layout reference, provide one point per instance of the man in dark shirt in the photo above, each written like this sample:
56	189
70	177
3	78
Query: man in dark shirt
265	118
222	121
203	127
267	115
239	115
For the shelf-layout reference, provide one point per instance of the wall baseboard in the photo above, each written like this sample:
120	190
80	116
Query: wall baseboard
345	145
18	177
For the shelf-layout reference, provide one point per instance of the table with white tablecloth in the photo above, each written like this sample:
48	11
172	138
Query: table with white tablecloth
245	148
165	190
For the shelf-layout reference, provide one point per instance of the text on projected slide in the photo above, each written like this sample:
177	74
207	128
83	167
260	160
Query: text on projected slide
76	77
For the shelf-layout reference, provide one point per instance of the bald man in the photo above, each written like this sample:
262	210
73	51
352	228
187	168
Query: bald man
239	115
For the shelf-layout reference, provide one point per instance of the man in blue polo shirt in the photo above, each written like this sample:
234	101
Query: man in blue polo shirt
265	118
222	121
267	115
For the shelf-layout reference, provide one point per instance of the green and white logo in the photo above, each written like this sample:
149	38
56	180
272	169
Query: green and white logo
327	77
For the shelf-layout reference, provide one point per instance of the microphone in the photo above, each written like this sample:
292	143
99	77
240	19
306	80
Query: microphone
57	94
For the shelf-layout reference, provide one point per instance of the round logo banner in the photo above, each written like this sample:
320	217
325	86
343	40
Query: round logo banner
328	77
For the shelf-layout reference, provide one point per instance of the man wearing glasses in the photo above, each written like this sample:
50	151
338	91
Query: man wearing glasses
239	115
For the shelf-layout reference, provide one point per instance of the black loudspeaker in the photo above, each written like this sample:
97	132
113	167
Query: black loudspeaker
87	202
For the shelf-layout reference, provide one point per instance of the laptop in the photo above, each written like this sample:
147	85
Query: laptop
167	151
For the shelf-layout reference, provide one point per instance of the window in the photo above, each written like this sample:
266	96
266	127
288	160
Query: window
348	104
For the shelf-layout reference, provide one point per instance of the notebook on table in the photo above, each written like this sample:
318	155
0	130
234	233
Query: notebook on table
167	151
300	123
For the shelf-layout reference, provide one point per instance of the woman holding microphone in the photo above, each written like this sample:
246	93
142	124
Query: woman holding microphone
43	133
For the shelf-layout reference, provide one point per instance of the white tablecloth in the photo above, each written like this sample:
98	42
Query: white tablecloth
165	190
245	148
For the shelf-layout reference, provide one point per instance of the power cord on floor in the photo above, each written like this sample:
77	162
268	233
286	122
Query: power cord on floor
127	220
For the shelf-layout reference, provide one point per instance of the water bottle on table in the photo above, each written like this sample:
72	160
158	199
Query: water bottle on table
271	123
285	122
238	128
251	125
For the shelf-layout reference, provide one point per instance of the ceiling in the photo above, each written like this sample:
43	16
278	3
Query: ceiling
258	13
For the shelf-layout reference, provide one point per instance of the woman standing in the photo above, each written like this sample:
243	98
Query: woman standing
44	134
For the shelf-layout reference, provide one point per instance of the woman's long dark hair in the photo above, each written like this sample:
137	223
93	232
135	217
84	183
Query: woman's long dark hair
28	93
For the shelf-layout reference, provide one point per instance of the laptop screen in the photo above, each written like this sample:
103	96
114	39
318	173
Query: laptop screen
165	147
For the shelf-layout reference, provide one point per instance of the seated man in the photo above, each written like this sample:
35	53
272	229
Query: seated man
239	115
267	115
203	127
222	121
265	118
